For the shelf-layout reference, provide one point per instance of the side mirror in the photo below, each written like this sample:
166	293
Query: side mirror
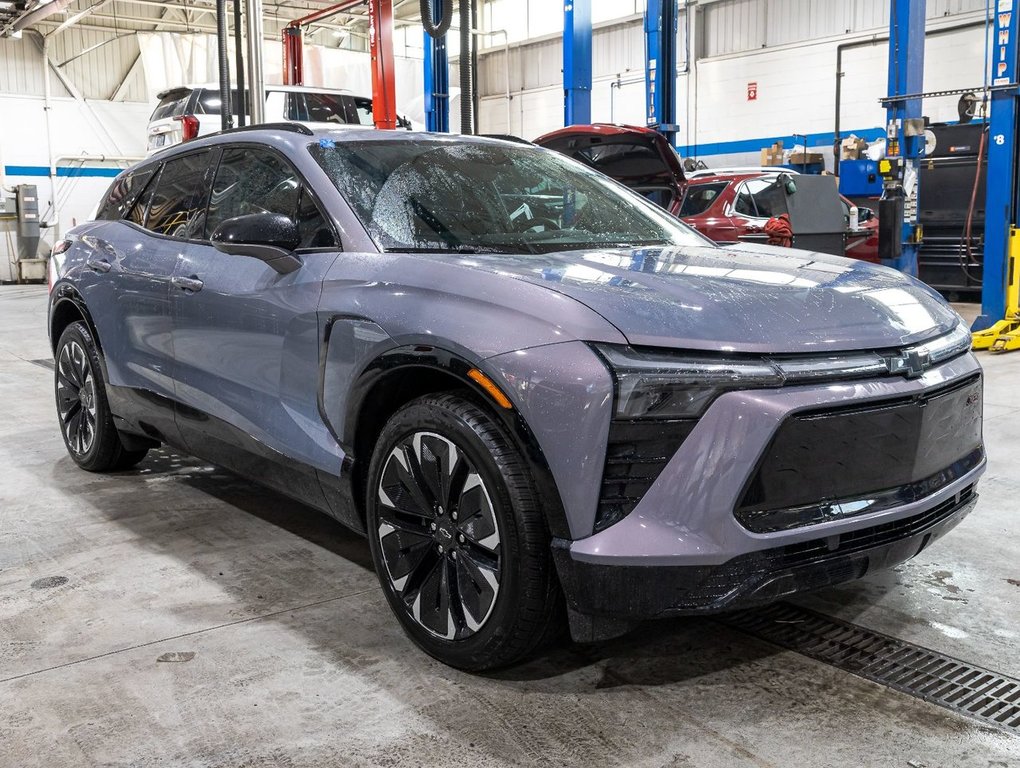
268	237
865	214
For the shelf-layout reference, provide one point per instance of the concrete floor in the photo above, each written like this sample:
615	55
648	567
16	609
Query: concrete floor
175	615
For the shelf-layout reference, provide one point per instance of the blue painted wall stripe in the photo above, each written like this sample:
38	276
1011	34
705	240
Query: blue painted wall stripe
754	145
62	170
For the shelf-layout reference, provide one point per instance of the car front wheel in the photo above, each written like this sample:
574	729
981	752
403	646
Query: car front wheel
458	536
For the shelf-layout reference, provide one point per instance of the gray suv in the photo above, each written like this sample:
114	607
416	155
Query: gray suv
544	400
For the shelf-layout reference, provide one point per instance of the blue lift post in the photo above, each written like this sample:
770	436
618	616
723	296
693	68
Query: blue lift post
901	236
577	62
1000	204
661	18
437	79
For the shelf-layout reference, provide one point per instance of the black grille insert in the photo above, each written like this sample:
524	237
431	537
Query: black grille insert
635	455
959	686
827	457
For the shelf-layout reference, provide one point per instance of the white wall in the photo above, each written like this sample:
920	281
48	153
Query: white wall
796	81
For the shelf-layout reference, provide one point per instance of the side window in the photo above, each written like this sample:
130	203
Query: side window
178	201
251	180
141	206
329	108
123	193
315	232
364	110
761	198
744	204
296	109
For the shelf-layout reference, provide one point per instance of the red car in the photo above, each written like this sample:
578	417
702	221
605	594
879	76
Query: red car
639	157
726	206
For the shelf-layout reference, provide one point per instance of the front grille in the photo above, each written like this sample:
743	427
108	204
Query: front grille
820	460
775	520
636	454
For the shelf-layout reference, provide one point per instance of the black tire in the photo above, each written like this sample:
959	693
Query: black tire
495	528
86	423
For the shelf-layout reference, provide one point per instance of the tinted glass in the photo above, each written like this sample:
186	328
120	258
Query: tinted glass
123	193
699	198
141	206
178	202
251	180
171	105
209	102
744	204
617	159
322	108
661	196
769	196
443	195
363	108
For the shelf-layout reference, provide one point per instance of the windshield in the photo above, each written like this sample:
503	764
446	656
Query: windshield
441	195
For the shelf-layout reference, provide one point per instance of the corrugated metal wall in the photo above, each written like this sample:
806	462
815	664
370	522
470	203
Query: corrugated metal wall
96	73
734	26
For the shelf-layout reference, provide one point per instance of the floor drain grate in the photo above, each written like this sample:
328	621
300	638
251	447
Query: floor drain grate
964	688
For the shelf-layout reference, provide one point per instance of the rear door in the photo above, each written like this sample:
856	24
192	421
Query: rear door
246	339
127	285
756	201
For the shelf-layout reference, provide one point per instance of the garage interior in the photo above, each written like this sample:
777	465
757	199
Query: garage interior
175	614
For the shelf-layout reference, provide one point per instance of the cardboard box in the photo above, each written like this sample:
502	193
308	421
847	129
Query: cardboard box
805	158
852	148
772	155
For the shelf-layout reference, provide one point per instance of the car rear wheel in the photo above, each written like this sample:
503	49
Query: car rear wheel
86	423
458	535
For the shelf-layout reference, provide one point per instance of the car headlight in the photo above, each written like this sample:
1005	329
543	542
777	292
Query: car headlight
660	384
653	385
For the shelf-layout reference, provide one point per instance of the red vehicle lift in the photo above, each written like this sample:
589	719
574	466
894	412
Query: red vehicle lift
380	36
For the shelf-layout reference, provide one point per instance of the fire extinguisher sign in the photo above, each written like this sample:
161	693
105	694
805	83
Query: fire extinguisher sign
752	91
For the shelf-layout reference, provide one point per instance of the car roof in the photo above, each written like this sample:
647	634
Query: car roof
296	135
705	173
268	87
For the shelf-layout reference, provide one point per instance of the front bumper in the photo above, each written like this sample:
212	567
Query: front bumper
682	549
636	592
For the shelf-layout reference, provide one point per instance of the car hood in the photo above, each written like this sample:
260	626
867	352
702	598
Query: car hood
745	298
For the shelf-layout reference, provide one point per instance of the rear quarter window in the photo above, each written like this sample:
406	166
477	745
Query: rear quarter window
699	198
123	193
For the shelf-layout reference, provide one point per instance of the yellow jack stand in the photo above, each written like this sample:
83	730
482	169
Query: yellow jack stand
1004	336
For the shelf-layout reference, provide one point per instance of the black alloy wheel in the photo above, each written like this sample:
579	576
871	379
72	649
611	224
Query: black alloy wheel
438	535
458	535
86	423
76	398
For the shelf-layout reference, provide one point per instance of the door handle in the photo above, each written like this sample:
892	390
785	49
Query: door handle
190	284
98	265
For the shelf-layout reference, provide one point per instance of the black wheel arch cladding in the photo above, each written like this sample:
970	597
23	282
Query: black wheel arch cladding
400	375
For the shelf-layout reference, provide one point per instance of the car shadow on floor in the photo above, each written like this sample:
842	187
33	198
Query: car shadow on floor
652	654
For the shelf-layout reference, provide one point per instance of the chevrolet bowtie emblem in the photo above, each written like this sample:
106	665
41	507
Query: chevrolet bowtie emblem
911	363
